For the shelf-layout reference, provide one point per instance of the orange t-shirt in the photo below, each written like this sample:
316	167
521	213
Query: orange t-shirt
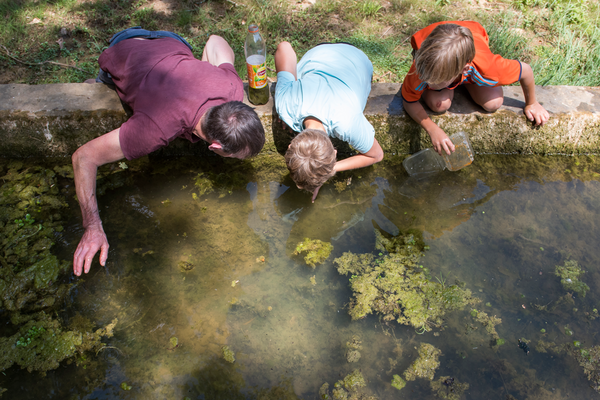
486	69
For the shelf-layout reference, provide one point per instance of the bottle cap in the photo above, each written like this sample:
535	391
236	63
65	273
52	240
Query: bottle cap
253	28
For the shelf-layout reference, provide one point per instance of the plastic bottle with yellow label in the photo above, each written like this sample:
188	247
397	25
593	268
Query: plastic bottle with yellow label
256	53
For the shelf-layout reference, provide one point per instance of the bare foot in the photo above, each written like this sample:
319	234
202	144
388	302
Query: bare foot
90	81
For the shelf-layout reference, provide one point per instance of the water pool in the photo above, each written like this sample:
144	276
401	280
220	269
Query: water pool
217	269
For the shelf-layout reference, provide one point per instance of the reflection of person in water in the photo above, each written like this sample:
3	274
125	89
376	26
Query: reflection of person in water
330	221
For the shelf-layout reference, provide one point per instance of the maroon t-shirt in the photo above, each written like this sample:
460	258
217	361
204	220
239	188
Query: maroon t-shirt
168	90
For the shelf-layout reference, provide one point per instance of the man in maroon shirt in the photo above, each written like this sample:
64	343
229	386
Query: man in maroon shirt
172	94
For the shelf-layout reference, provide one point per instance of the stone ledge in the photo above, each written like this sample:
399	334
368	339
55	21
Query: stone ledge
54	120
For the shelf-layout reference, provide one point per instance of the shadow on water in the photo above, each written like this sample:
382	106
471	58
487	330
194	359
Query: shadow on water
203	258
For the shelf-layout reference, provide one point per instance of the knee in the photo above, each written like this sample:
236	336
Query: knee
283	46
440	106
493	105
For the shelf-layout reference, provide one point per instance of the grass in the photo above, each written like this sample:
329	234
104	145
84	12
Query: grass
559	38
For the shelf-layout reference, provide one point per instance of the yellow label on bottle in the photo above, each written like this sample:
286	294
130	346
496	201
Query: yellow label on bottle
257	75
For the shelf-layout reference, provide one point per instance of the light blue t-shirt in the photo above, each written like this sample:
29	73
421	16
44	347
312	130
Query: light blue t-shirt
334	81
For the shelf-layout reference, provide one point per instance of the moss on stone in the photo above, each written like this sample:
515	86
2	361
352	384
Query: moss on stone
317	251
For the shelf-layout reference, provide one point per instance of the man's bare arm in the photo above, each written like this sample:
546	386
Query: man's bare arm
86	161
217	51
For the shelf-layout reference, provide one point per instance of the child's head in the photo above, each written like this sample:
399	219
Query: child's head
310	159
444	54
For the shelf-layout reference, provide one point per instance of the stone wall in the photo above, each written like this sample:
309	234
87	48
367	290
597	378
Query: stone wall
54	120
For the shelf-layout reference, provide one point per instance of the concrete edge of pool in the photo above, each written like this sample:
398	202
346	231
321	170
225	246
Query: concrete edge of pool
54	120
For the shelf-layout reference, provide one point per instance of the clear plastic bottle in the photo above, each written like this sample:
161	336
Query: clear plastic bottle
428	161
256	52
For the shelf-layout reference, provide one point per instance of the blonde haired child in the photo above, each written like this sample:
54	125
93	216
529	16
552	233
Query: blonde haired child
452	53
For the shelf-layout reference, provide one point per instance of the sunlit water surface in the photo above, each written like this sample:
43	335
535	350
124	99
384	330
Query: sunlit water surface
501	225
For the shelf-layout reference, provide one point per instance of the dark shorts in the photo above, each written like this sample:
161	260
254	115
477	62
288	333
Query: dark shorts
136	32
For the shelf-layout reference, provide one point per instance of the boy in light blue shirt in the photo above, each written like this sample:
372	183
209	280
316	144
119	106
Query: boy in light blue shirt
322	96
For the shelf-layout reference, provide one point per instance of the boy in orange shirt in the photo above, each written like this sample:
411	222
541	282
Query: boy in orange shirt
452	53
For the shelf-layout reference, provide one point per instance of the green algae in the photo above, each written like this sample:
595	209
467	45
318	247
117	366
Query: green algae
569	274
489	323
352	349
398	382
33	281
426	365
448	388
228	355
348	388
41	344
396	286
317	251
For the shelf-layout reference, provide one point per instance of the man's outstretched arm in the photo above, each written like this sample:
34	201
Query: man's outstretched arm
86	161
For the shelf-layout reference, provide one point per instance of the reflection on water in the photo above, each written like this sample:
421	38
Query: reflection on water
218	270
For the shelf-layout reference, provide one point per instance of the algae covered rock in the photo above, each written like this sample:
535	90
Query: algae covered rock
398	382
40	345
396	286
569	277
32	279
348	388
317	251
425	365
352	349
228	355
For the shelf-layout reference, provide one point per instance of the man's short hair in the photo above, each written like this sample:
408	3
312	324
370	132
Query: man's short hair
236	127
311	159
444	53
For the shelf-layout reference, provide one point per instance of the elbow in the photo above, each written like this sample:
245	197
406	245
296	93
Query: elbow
77	158
378	157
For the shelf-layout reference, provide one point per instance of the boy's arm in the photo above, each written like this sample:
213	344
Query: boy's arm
217	51
285	59
533	110
441	141
374	155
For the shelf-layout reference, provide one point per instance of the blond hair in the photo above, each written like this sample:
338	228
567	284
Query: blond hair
310	159
444	53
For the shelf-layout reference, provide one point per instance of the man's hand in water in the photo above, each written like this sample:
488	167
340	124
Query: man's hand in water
93	239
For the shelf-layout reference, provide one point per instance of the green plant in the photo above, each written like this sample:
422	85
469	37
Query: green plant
368	9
